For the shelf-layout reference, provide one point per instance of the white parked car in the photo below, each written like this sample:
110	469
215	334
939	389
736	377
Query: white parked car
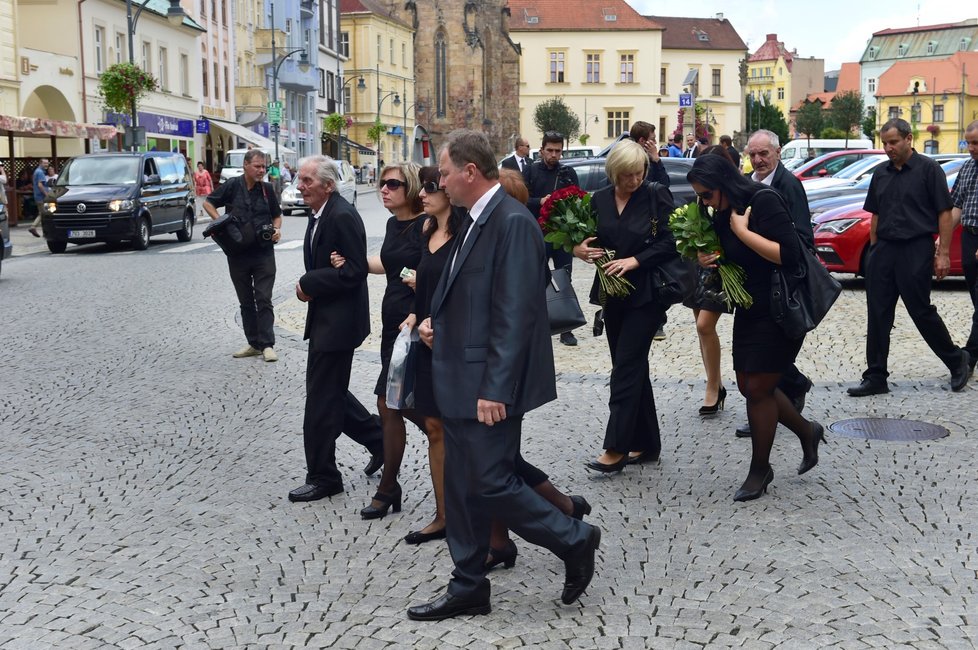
291	199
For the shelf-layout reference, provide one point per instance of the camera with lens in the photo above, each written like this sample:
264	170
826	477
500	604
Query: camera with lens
266	232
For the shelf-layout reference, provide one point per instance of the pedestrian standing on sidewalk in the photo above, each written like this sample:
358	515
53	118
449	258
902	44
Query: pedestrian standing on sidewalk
39	186
964	195
203	188
253	271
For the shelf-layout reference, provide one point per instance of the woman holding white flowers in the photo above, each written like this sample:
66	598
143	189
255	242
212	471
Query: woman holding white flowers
757	233
633	221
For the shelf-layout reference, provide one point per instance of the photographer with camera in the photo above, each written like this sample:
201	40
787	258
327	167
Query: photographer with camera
253	203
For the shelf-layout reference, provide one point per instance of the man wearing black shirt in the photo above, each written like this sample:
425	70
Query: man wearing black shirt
909	201
644	134
545	176
253	271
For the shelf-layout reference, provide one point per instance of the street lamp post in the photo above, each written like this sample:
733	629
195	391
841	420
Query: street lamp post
416	106
587	115
380	102
175	16
303	66
361	86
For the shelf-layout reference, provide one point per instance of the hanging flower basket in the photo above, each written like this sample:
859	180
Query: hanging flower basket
933	129
123	84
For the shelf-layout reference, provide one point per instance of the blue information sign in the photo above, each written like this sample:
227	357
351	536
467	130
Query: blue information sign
203	126
685	100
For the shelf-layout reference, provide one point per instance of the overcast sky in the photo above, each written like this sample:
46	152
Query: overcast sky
834	30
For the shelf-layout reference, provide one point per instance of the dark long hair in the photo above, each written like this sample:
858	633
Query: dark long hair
718	173
432	175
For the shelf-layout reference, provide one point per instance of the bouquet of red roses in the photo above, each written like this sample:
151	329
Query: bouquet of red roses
567	220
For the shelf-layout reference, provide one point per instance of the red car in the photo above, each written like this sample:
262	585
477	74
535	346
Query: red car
842	240
832	162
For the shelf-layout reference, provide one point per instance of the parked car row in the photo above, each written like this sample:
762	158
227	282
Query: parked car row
291	200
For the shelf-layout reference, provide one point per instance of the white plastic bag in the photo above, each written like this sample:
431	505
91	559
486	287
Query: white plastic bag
400	373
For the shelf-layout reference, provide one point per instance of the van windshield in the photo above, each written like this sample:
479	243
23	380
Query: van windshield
234	160
101	170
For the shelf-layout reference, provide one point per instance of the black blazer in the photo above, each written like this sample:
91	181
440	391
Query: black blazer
489	313
338	316
510	163
793	193
631	234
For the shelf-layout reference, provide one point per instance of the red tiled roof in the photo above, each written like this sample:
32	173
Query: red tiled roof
685	34
379	7
770	50
825	98
576	15
943	75
848	78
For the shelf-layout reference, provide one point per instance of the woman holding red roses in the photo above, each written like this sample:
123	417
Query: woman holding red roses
633	221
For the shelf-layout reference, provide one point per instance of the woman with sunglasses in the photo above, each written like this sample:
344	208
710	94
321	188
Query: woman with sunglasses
400	190
757	233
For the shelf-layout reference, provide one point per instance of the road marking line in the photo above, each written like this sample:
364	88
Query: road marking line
186	248
294	243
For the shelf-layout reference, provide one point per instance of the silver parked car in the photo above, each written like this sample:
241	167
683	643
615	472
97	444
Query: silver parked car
291	200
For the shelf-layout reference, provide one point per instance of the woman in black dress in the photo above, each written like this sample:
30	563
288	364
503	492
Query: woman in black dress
400	190
633	220
756	232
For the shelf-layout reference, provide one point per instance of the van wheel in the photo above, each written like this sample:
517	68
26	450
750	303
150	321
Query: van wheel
287	213
141	241
57	247
187	232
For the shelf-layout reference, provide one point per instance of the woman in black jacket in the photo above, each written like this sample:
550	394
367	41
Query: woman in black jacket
633	221
756	232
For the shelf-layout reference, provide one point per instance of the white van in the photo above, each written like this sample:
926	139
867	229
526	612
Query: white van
234	163
798	149
571	153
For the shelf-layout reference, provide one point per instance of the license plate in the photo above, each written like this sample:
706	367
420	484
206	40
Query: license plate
81	234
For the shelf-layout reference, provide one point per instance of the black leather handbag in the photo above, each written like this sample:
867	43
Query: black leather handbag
674	280
563	309
233	234
801	298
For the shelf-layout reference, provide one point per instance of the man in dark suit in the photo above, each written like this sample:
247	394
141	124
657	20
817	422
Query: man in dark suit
337	322
764	149
519	161
492	362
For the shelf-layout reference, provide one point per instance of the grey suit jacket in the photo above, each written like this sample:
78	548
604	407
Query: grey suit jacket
489	313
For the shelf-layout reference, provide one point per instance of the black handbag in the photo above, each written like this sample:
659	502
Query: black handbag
674	280
233	234
800	299
563	309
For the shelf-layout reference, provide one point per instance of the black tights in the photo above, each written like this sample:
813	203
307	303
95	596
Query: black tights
766	407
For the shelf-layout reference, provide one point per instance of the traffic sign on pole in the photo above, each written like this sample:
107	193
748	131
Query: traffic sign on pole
685	100
275	112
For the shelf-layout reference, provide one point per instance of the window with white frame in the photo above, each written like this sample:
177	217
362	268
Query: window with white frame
217	82
715	90
939	112
662	80
902	50
345	44
404	56
120	46
557	67
931	47
227	83
162	77
780	92
184	74
392	51
593	60
380	48
626	73
322	82
618	123
147	57
894	112
99	49
203	78
871	85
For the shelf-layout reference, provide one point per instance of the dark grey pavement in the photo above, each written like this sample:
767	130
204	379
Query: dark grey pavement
144	475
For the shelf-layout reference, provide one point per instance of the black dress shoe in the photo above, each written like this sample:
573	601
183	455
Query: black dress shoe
643	458
387	501
810	456
745	494
375	463
418	537
743	431
607	469
309	492
505	556
448	606
869	387
972	360
579	568
568	338
959	376
581	507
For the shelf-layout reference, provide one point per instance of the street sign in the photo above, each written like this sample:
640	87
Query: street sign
274	129
275	112
685	100
203	126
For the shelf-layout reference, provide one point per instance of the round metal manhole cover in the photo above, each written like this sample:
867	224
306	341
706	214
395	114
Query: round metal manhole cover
888	429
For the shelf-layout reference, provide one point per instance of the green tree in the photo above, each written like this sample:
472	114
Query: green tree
809	119
832	133
847	111
376	131
555	115
766	116
869	123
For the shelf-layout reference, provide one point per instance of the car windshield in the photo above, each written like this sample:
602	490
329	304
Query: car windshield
234	160
101	170
858	167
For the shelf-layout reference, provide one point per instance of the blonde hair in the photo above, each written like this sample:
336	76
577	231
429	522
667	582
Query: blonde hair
627	157
412	191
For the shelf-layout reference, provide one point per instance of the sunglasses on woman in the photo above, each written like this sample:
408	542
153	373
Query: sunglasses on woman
431	187
706	195
392	184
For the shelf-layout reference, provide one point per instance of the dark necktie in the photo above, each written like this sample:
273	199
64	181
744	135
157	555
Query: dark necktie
307	248
522	166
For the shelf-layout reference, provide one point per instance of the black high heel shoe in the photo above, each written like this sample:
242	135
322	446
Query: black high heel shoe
717	405
607	469
743	494
810	459
505	556
387	501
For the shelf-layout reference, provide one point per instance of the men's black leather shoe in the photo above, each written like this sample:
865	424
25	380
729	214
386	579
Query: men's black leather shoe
579	568
743	431
309	492
447	606
568	338
959	377
375	463
868	387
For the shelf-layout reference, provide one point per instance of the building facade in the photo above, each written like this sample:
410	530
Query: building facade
778	77
329	70
217	75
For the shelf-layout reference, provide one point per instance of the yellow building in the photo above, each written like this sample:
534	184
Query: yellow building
9	81
601	58
938	98
379	80
781	78
712	48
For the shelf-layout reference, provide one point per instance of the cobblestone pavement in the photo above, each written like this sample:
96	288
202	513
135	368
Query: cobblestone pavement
144	475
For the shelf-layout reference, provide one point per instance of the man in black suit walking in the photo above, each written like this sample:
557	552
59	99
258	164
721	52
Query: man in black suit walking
519	161
492	362
337	322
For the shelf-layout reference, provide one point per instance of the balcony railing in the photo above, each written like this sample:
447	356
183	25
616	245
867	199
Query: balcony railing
251	97
263	44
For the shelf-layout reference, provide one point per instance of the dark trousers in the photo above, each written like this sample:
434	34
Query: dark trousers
969	244
480	484
330	410
253	275
793	383
902	269
633	424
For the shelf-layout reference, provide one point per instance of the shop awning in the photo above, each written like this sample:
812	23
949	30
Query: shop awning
248	135
363	150
41	127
